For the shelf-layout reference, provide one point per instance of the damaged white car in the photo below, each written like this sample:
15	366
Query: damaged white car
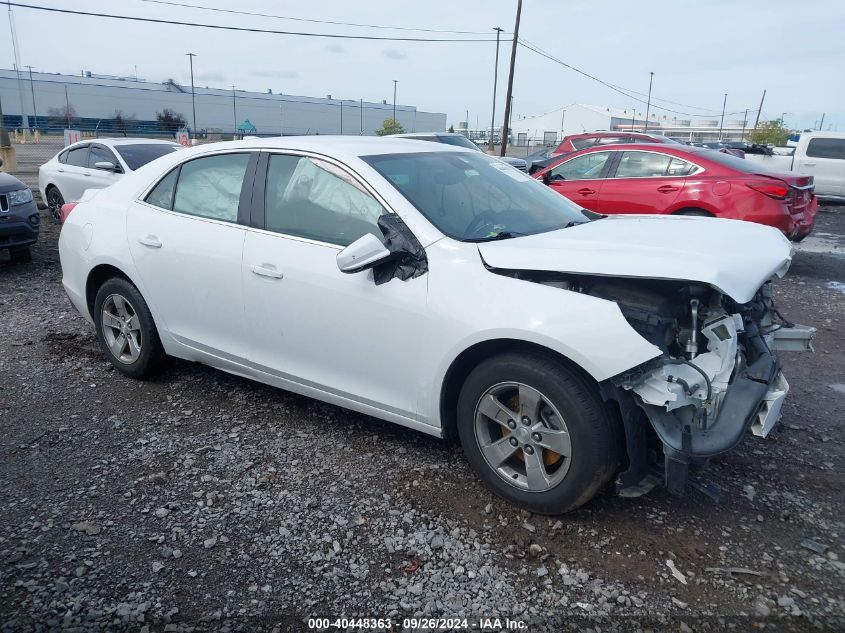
439	289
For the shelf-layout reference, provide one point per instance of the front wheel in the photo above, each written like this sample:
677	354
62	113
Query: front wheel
55	200
126	330
537	433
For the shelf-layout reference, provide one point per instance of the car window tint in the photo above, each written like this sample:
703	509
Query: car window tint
581	167
614	140
583	143
162	193
78	157
211	187
826	148
63	157
137	155
642	165
678	167
315	199
98	153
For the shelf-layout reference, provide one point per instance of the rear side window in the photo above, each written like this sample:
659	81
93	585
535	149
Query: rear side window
582	143
162	194
827	148
642	165
678	167
211	187
78	157
63	157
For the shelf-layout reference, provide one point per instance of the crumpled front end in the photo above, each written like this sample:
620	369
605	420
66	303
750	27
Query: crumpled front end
718	378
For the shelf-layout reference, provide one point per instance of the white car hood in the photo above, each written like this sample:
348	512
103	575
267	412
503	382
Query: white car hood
734	257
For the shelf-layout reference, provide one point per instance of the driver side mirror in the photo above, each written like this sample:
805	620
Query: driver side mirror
105	165
547	178
362	254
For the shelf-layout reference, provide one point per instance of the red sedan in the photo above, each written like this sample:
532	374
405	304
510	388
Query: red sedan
682	180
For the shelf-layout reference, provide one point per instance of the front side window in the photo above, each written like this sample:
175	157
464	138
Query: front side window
584	167
642	165
210	187
314	199
78	157
100	154
826	148
470	196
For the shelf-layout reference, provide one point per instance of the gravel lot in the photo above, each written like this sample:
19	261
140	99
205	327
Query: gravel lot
202	501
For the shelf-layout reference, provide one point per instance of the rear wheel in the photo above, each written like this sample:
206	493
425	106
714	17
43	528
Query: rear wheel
536	432
54	201
126	330
21	255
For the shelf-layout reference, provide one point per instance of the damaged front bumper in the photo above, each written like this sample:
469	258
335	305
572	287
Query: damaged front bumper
702	406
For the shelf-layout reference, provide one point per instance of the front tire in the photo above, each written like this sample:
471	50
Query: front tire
126	330
55	200
537	433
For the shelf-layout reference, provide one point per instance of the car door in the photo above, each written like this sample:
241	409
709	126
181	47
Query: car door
311	325
642	181
581	178
825	161
99	178
186	238
70	176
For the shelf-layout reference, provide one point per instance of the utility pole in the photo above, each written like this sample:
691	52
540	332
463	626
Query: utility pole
722	120
281	120
32	89
67	107
759	110
744	123
193	96
821	124
234	112
361	132
648	103
495	82
5	141
394	99
509	98
466	127
341	117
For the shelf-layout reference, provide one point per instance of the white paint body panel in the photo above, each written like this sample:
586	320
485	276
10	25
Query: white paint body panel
385	350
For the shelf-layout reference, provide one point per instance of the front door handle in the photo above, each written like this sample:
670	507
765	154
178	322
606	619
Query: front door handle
266	270
150	240
667	188
586	192
810	164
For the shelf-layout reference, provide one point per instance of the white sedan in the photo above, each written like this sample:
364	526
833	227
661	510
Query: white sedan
437	288
95	164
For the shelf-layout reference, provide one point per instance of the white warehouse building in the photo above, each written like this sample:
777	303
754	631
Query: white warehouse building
44	99
550	127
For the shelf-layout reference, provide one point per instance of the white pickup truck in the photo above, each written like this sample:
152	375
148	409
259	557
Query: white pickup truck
818	154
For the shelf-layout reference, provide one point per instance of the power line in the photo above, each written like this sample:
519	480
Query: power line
311	20
243	28
623	91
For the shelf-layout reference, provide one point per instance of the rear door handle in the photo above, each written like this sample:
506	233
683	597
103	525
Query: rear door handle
266	270
61	171
667	188
86	173
150	240
810	164
586	192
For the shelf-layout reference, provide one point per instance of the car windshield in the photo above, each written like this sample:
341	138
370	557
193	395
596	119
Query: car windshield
138	155
459	141
474	197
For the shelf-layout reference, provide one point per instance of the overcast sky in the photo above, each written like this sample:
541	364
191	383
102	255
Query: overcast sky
697	50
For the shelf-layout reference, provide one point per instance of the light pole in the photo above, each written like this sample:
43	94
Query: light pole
341	117
722	120
495	82
361	131
509	99
4	134
234	111
466	127
193	96
32	89
648	103
394	99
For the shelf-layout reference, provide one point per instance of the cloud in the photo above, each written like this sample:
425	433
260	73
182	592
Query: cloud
335	48
276	74
211	76
392	53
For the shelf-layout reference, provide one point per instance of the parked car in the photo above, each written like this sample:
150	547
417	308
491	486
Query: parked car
817	154
576	142
19	218
95	165
459	140
719	146
435	287
681	180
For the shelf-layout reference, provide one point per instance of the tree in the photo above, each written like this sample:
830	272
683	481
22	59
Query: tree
63	117
170	121
122	123
772	132
451	129
390	126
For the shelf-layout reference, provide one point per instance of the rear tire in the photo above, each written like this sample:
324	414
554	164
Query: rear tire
516	460
21	255
126	330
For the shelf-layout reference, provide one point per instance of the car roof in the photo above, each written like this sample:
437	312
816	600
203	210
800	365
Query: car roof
116	142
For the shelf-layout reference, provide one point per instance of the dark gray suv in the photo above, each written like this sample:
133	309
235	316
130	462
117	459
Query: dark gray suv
19	218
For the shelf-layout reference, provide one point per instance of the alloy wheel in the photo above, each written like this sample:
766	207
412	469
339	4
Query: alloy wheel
121	329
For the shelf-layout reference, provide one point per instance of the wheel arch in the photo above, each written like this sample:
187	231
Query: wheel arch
97	277
698	207
470	358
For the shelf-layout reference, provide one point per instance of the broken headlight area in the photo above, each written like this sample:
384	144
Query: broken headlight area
717	378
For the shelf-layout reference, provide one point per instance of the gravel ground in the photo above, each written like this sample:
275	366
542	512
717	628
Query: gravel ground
202	501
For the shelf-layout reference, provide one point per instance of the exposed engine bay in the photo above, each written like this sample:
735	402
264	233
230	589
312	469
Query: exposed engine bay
716	378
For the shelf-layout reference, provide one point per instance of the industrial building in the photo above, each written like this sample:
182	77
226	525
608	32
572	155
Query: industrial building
95	102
